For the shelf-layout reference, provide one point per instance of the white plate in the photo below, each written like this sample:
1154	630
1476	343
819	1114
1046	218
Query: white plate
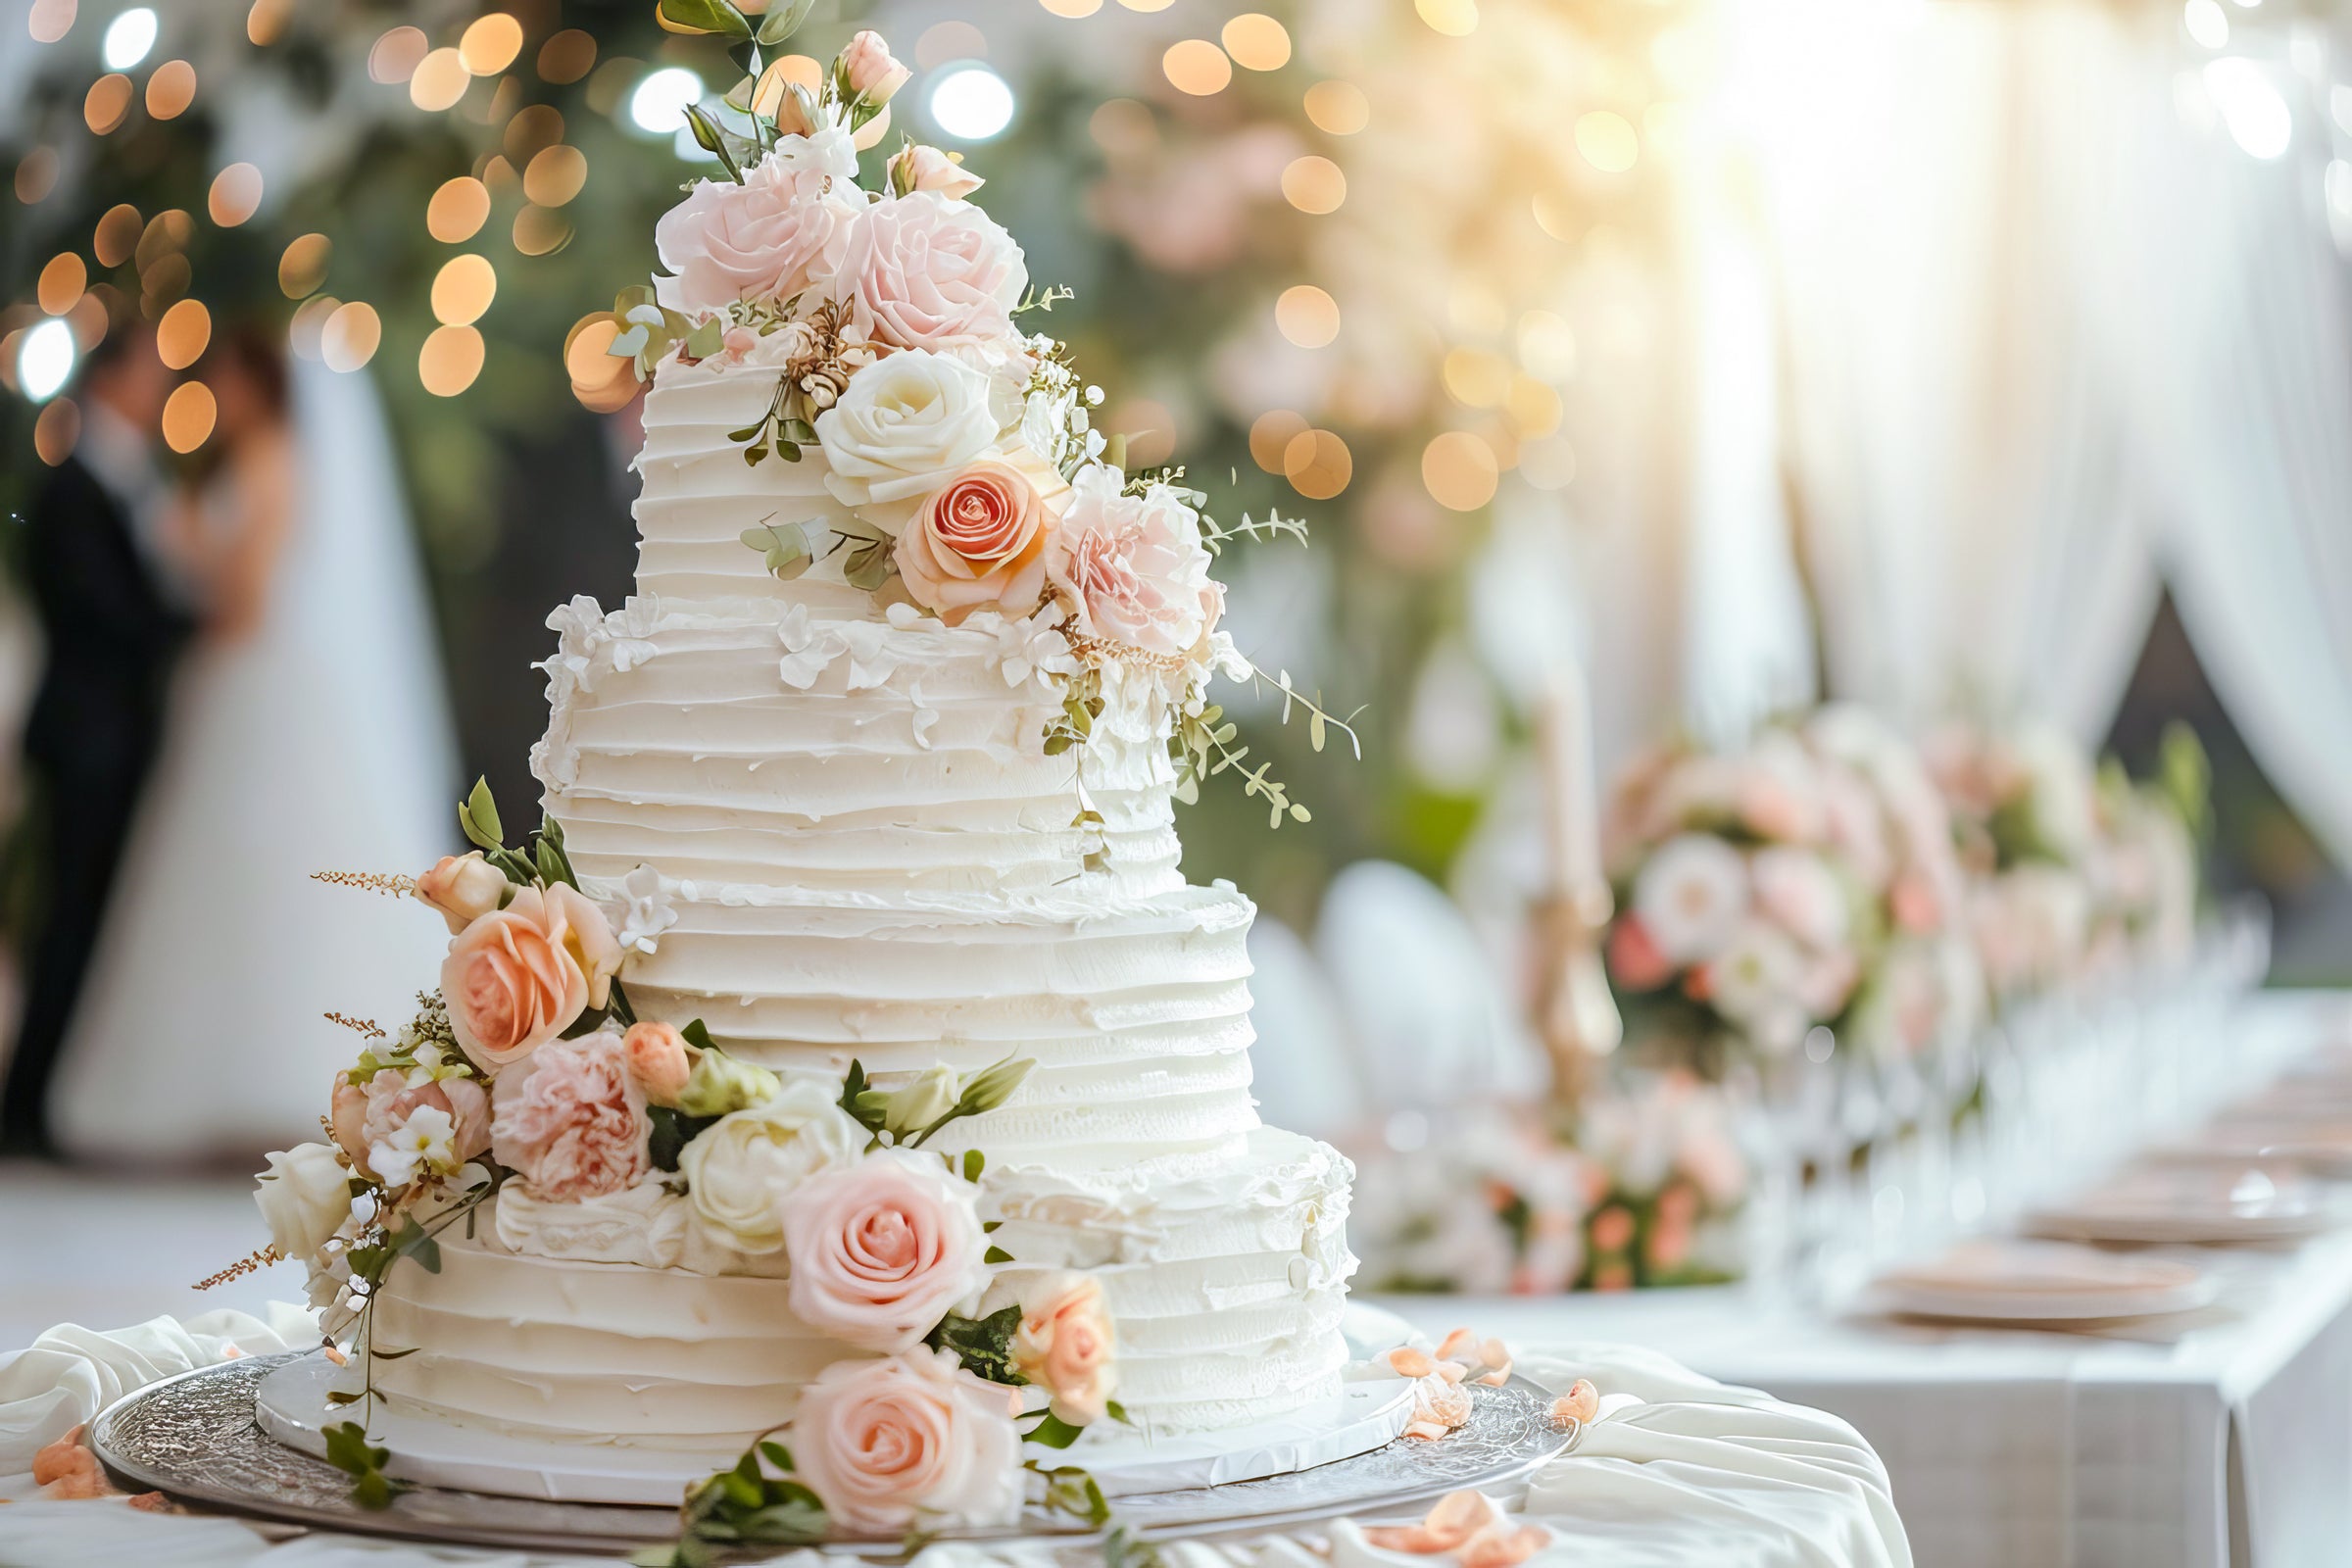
2193	1204
2041	1282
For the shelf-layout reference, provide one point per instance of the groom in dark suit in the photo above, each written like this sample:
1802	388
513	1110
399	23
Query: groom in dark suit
114	626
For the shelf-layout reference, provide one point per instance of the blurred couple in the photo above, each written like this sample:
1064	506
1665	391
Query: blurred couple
240	689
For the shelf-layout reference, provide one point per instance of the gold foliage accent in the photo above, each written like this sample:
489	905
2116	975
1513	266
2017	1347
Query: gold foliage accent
397	887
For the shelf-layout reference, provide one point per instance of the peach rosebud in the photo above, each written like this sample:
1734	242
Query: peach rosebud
519	977
882	1250
1065	1345
916	166
871	71
978	544
1582	1402
464	888
914	1437
346	1118
659	1061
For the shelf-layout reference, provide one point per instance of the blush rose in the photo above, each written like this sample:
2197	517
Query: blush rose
882	1250
980	542
572	1121
1133	568
517	977
766	238
925	270
909	1440
462	888
1067	1347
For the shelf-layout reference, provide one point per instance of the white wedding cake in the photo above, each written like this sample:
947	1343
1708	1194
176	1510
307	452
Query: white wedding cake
859	850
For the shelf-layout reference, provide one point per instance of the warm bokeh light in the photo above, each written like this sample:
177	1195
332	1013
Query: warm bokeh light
106	102
567	57
1608	140
117	235
490	43
62	282
439	81
1338	108
266	21
56	431
944	42
1459	471
1271	434
539	231
88	320
36	175
1477	378
462	289
168	230
1317	464
184	334
188	415
452	357
1314	184
235	196
161	283
532	130
1456	18
349	337
555	174
45	359
1072	7
303	267
1534	407
1549	464
1256	41
457	209
1198	67
1147	5
170	90
50	19
1547	346
602	381
971	103
1123	128
1150	428
657	104
1307	316
1555	217
309	324
397	54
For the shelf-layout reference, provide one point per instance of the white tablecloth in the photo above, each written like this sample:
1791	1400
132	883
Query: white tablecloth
1694	1474
2225	1443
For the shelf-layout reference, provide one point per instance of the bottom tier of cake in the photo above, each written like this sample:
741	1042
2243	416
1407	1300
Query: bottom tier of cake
1226	1282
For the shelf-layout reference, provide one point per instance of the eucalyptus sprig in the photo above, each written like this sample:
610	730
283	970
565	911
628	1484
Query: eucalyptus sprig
760	1502
348	1450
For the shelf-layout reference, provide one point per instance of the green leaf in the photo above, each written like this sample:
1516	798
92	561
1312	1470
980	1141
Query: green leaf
706	15
974	1162
984	1345
707	338
1116	1411
338	1397
391	1356
412	1240
672	1131
997	1255
782	21
1053	1433
714	140
698	1035
777	1455
477	816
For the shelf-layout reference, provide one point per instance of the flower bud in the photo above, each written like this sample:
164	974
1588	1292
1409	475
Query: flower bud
990	1087
720	1083
915	1106
915	166
462	888
660	1061
870	69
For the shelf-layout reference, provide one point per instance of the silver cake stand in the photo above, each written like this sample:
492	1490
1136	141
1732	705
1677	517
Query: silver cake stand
195	1438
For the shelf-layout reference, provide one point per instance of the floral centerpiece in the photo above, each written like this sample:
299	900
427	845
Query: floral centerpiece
1805	882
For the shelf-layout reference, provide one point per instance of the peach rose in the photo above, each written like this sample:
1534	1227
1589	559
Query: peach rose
520	976
979	543
373	1114
764	239
1133	568
882	1250
923	271
872	71
660	1062
572	1121
915	166
1066	1345
464	888
910	1440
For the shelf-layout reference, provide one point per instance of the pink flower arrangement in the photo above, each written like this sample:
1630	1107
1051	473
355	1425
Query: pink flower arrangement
1066	1346
911	1438
517	977
572	1121
979	543
372	1116
882	1250
925	270
1134	568
767	239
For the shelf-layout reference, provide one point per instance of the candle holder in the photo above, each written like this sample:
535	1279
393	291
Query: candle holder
1576	1014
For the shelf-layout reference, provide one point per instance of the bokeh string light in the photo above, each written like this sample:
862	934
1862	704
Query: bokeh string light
235	195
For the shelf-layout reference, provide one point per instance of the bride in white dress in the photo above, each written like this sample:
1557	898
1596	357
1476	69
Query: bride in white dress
309	733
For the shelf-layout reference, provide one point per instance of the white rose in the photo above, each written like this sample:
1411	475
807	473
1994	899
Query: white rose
739	1170
305	1196
905	425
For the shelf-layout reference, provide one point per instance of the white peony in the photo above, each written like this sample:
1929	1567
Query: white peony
1690	894
904	425
741	1169
1757	982
305	1196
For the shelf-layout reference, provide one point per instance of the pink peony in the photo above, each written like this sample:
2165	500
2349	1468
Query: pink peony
916	166
365	1115
980	542
910	1440
765	239
1134	568
1066	1346
924	271
572	1121
882	1250
464	888
520	976
872	71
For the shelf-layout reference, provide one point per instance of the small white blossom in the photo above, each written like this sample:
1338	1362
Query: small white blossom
872	658
425	1144
644	911
807	649
1032	648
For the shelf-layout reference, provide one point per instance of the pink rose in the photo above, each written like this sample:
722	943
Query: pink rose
765	239
365	1115
1065	1345
1634	958
1799	892
520	976
658	1061
871	69
979	543
916	166
1915	903
882	1250
464	888
572	1121
1133	568
886	1444
923	271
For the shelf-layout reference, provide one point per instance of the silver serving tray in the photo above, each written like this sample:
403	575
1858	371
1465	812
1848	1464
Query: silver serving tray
194	1438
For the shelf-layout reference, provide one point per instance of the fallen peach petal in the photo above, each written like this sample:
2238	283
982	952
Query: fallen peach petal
1459	1515
1504	1548
1448	1404
1494	1353
228	1353
152	1502
1407	1361
1498	1377
1452	1371
1582	1402
1458	1345
1425	1430
63	1457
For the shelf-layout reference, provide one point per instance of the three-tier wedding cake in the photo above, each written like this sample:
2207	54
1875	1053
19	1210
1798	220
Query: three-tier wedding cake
846	1047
